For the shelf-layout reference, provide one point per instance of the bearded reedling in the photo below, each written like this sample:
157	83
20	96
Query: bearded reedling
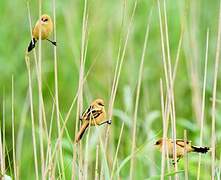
46	26
94	115
182	147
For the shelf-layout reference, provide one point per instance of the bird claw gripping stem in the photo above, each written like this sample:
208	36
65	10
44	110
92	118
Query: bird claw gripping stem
109	122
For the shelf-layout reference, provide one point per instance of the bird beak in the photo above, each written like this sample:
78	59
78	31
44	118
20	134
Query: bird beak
42	22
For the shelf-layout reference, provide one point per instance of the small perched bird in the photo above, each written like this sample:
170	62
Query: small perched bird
94	115
182	147
46	26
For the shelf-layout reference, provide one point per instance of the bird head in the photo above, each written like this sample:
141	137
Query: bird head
159	143
98	103
45	19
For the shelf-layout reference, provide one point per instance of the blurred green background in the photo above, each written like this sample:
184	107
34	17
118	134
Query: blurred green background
104	34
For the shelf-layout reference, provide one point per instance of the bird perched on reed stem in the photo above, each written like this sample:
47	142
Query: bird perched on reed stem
94	115
182	147
44	24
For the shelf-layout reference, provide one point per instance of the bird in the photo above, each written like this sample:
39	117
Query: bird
182	147
44	24
94	115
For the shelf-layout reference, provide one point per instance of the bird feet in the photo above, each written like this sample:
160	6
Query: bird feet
54	43
108	122
173	162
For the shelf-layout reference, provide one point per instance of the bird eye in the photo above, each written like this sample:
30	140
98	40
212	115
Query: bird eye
44	20
100	104
157	143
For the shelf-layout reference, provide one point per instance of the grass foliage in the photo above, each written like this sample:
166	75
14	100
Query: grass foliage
156	65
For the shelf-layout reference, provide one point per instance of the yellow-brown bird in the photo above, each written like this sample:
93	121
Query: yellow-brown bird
94	115
44	24
182	147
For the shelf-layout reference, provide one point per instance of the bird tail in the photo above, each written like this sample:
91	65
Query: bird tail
81	131
32	44
200	149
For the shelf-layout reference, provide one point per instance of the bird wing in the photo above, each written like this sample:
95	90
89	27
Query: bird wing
91	113
85	113
181	142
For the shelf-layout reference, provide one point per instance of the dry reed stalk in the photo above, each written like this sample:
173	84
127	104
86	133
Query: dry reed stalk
112	95
116	154
194	61
167	103
166	110
38	71
111	102
96	163
64	126
40	99
117	72
164	120
186	168
216	68
177	56
20	133
170	90
27	60
49	147
120	60
168	77
219	174
3	133
80	94
137	96
85	170
203	103
1	152
13	130
56	90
